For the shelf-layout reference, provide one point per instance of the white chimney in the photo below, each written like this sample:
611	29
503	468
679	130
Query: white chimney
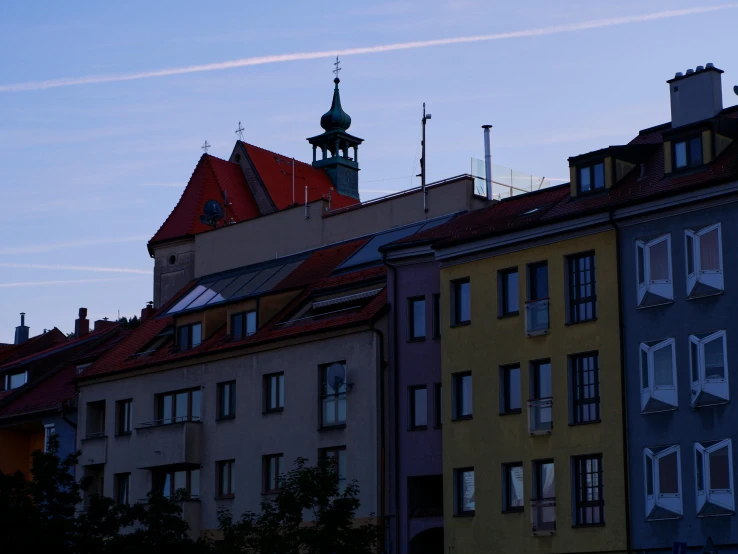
487	161
695	96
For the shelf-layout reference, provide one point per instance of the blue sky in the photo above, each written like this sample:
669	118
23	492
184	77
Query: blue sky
89	170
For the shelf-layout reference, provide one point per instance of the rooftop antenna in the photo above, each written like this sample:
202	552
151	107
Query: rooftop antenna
205	147
426	117
240	131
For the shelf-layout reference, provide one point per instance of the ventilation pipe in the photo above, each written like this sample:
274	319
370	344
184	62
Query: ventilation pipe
21	332
487	161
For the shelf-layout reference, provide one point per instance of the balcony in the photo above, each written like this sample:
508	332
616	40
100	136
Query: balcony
540	416
163	444
543	517
94	450
536	317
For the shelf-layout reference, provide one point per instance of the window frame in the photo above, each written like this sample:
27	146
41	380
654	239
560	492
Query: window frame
573	283
268	408
220	390
159	407
505	393
168	472
266	475
507	487
190	332
243	318
689	163
227	467
101	419
721	498
436	316
703	384
712	278
663	288
459	492
671	502
118	480
338	397
338	452
412	423
123	420
458	395
456	309
578	387
650	390
411	336
10	374
590	169
504	296
49	431
580	485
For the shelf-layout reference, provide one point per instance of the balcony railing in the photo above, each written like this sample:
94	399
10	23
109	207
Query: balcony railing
169	444
540	416
536	317
93	450
543	516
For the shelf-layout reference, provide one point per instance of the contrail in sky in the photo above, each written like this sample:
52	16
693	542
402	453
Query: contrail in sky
297	56
69	282
78	268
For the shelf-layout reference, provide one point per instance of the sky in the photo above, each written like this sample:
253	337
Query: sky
104	107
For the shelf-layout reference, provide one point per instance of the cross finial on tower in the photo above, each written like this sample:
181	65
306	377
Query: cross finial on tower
240	131
338	67
205	147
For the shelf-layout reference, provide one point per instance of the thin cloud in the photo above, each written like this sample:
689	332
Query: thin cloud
68	282
77	268
298	56
48	247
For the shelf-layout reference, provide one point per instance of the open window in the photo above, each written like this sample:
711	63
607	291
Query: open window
708	357
704	261
663	472
714	472
658	376
653	271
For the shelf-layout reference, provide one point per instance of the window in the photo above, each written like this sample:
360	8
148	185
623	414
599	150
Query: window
333	394
464	491
436	316
227	400
591	177
462	383
418	407
226	479
124	417
704	261
653	271
663	471
543	504
15	380
95	419
122	488
510	399
714	477
507	281
688	153
512	478
708	358
179	406
181	484
337	455
189	336
243	324
537	305
460	302
589	502
416	318
658	376
274	392
49	431
438	404
585	380
272	469
540	405
582	293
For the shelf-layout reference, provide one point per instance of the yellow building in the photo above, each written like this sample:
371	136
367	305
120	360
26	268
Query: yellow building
533	450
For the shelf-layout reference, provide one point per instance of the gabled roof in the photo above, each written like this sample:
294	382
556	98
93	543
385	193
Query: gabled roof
31	346
276	171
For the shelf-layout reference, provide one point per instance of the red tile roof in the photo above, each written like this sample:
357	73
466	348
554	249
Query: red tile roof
275	171
319	265
48	394
31	346
211	178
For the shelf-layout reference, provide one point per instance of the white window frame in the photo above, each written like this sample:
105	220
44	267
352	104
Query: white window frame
722	498
668	501
713	386
710	277
667	394
7	379
663	288
49	430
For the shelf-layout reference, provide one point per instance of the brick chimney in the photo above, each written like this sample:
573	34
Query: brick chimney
104	323
21	332
81	324
148	311
696	95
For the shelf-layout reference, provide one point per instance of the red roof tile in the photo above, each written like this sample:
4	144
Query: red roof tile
31	346
275	171
48	394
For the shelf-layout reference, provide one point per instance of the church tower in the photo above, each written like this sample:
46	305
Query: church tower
334	145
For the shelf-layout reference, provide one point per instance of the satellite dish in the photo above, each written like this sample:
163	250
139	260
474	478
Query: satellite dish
336	377
213	213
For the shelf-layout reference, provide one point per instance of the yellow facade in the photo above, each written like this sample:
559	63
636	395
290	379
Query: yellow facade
489	440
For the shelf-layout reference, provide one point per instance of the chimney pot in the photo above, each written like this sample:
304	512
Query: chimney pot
710	65
678	74
21	332
695	96
690	71
147	312
700	68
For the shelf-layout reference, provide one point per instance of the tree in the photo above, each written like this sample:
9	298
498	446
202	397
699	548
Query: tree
282	528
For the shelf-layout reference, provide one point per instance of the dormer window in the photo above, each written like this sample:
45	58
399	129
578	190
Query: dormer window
243	324
591	178
688	152
189	336
15	380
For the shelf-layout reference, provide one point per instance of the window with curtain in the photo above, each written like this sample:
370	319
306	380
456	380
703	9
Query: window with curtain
704	261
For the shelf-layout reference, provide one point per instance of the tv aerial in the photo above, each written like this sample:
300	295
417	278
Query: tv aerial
336	377
213	213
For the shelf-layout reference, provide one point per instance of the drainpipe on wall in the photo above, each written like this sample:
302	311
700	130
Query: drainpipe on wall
383	466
